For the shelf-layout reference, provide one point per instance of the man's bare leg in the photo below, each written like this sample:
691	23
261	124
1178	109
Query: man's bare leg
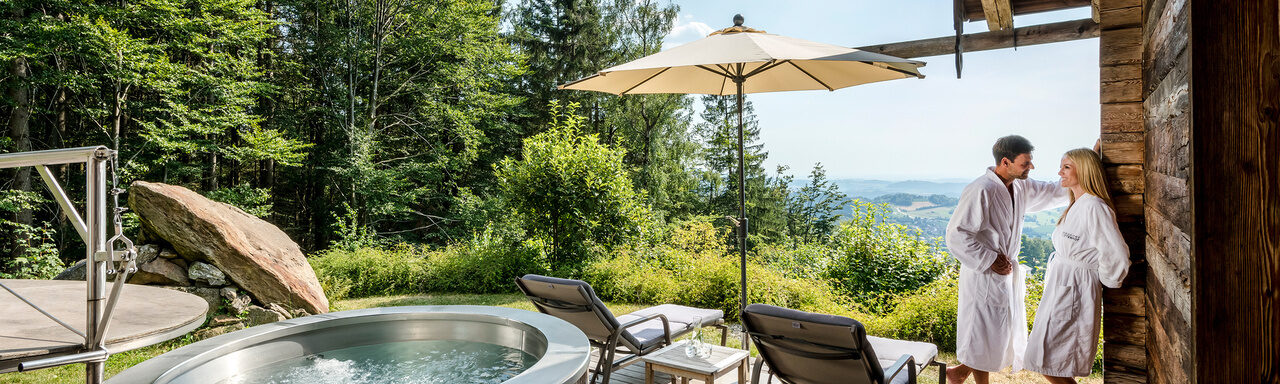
981	377
1060	380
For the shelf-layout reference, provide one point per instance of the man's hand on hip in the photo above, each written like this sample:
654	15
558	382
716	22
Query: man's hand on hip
1001	265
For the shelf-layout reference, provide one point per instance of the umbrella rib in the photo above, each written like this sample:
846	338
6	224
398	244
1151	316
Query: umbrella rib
806	73
771	64
891	68
714	71
579	81
644	81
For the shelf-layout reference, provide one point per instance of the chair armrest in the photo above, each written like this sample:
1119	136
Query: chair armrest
906	361
666	325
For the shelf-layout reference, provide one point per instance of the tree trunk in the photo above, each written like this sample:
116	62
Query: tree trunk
20	132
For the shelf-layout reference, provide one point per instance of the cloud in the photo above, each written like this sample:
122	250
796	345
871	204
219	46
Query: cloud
686	29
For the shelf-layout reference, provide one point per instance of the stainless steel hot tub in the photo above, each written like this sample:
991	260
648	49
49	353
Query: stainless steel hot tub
562	351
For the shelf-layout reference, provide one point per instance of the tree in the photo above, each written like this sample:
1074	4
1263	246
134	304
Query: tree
814	210
572	191
765	196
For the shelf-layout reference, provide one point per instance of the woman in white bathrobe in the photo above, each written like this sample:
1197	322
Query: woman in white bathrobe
1088	254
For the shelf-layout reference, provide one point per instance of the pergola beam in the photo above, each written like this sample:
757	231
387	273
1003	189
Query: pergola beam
973	10
1030	35
998	13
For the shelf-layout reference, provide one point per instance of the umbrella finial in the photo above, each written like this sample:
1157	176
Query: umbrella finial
737	20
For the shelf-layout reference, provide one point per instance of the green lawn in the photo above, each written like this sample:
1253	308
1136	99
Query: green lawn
118	362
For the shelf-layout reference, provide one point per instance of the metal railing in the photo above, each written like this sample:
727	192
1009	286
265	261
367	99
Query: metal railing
93	229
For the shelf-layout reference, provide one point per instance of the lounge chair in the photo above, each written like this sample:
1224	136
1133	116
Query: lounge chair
632	335
813	348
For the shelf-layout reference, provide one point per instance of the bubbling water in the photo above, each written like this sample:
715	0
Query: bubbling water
405	362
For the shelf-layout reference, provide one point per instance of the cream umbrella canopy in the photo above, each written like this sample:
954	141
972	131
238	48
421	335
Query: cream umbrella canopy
740	60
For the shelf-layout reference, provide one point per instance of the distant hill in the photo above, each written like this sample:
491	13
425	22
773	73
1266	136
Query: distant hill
869	188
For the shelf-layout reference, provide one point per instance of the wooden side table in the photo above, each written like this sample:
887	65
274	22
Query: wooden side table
672	360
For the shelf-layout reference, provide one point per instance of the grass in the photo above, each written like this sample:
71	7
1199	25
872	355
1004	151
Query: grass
121	361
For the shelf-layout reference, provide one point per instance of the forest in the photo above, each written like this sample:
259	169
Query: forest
415	146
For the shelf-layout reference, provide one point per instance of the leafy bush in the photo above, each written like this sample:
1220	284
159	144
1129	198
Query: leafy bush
371	271
695	268
572	192
37	253
485	263
875	259
925	314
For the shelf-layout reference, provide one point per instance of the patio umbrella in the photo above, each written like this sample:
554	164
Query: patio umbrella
740	60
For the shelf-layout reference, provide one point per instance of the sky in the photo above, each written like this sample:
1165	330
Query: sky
936	128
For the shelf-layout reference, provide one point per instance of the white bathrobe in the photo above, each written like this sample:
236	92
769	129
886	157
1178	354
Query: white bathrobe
1088	253
991	329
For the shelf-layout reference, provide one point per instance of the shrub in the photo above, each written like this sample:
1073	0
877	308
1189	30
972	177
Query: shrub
875	259
694	268
925	314
371	271
34	246
485	263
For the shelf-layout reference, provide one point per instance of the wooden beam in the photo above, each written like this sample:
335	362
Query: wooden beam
973	8
998	13
985	41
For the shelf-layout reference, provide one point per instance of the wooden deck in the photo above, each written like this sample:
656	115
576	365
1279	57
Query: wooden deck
634	374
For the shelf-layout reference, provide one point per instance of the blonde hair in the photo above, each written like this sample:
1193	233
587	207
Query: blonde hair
1089	174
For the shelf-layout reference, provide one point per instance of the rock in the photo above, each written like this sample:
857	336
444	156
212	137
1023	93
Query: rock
236	301
254	254
168	253
210	296
161	272
215	331
299	313
180	262
259	315
74	272
281	309
207	273
223	320
146	253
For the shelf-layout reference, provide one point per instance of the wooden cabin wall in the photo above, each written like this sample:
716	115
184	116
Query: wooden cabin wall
1123	153
1167	107
1235	190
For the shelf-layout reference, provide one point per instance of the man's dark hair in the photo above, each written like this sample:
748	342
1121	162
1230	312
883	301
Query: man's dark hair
1009	147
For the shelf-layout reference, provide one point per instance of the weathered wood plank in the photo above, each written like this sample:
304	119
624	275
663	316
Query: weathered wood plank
1124	363
1120	91
1124	329
1106	5
1120	72
1121	46
1169	196
973	8
1235	149
1169	339
1128	207
1121	148
998	13
1126	178
1125	301
1167	30
1122	117
1120	18
1168	124
1172	269
975	42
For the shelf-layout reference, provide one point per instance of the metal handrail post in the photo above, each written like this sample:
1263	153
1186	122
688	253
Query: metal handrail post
96	270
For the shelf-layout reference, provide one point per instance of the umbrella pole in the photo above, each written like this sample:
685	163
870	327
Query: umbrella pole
742	212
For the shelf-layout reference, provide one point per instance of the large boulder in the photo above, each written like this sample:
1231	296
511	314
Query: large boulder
254	254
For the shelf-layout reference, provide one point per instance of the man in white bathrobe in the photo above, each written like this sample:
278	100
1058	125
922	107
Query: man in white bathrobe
985	235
